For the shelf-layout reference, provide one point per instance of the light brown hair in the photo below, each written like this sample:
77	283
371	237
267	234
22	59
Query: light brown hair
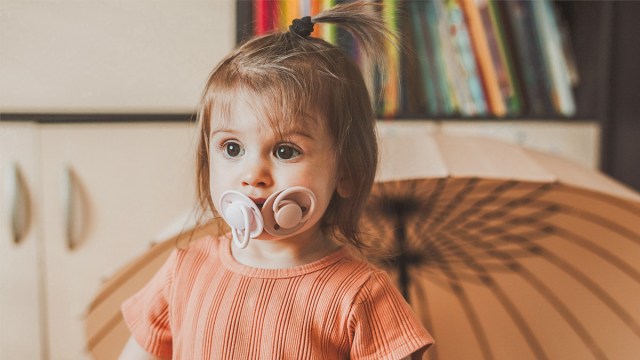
291	77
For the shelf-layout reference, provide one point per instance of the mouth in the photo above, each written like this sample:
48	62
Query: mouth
259	202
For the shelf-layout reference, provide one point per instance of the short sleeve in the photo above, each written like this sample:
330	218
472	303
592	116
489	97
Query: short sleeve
147	312
382	325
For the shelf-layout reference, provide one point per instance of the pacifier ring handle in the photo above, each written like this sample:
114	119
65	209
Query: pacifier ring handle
242	215
245	240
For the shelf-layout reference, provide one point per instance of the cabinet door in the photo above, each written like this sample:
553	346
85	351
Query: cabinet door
20	285
107	189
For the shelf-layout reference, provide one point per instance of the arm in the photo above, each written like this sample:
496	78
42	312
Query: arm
133	351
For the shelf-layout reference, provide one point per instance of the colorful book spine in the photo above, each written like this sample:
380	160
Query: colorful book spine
509	84
304	7
292	12
560	84
391	86
413	99
458	91
433	16
471	94
316	7
460	57
261	17
417	12
529	54
483	55
329	30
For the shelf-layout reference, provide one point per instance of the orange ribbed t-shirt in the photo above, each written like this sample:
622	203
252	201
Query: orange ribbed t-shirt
202	304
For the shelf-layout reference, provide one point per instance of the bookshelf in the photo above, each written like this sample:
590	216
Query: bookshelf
603	37
587	24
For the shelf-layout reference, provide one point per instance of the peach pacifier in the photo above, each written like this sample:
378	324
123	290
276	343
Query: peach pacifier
283	213
287	211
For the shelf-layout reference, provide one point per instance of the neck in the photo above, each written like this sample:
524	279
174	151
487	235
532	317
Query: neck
297	250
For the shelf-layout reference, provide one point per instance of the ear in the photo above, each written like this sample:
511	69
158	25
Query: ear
343	187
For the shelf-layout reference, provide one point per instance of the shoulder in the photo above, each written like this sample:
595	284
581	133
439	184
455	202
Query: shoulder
363	279
376	284
381	323
197	250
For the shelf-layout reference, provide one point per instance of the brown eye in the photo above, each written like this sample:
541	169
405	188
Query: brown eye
232	149
286	152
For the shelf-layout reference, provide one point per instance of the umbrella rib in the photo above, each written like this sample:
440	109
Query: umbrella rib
594	288
604	222
572	237
564	311
473	209
103	332
506	302
625	204
462	297
543	252
438	220
555	301
427	320
599	251
555	207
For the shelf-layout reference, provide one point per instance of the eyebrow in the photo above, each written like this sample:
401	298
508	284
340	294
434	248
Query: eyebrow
297	130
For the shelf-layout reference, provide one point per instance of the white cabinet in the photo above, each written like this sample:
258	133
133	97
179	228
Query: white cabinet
20	284
102	191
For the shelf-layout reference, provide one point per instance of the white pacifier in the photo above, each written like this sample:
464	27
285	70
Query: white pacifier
283	213
242	215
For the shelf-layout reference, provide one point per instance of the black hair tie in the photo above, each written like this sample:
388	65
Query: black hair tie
302	27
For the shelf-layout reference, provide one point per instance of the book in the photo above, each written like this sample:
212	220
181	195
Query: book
468	87
528	55
328	31
427	74
559	83
459	57
443	90
504	63
261	17
472	11
391	84
413	98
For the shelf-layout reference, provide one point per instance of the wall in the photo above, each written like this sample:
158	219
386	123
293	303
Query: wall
110	56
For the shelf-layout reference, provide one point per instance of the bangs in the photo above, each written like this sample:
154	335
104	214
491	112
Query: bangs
284	103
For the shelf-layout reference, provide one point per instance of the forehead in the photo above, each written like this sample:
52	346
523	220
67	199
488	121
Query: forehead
244	108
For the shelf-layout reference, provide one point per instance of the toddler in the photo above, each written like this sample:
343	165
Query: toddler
287	157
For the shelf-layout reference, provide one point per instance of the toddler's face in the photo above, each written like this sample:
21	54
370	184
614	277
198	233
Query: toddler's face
248	156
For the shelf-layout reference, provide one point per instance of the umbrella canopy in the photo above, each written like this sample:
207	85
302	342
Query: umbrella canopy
504	253
507	253
105	328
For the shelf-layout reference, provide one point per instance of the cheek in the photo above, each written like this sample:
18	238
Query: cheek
216	183
323	181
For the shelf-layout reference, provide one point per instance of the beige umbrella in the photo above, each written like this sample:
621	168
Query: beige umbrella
507	253
105	328
504	253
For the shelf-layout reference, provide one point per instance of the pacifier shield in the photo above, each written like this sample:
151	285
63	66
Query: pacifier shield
285	212
231	206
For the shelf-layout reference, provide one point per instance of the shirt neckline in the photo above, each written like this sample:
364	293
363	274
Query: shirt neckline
232	264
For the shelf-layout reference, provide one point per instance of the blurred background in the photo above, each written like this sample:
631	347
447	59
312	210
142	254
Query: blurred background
97	111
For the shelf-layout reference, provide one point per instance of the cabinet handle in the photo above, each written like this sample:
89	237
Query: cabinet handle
19	203
75	208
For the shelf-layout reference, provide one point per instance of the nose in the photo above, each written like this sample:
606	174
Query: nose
257	173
